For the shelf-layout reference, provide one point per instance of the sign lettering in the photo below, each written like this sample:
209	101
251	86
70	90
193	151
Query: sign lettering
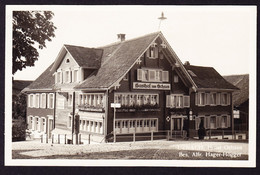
158	86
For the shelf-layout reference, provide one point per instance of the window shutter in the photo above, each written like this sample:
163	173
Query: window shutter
207	122
72	76
165	76
218	98
168	101
218	121
139	74
196	99
228	99
197	122
186	102
228	121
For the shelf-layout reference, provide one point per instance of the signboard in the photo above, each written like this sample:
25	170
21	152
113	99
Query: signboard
115	105
157	86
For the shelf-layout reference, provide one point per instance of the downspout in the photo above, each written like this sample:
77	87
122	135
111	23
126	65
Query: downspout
73	113
54	111
106	114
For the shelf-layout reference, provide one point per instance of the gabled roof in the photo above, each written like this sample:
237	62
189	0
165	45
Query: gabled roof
19	85
242	82
44	81
117	60
85	57
208	78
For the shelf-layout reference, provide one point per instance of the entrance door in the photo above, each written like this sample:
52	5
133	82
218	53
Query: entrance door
177	124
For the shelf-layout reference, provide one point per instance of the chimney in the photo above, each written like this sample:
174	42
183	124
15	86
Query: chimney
121	37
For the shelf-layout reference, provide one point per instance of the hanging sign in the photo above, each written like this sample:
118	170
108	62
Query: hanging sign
115	105
157	86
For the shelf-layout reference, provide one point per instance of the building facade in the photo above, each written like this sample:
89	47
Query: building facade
156	92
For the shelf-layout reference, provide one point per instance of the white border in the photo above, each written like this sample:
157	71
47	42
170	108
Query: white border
155	163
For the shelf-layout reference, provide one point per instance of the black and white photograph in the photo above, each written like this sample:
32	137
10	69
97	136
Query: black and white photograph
130	86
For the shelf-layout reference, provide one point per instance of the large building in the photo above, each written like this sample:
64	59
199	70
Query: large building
156	91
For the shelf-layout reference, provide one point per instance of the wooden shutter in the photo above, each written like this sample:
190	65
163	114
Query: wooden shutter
197	122
139	74
186	101
229	121
218	98
218	122
207	122
228	99
168	101
165	76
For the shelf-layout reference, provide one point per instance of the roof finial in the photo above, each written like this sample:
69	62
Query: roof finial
161	18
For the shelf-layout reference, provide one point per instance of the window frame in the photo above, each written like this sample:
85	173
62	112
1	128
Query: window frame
53	99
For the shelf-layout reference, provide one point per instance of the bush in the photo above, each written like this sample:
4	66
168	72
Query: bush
19	129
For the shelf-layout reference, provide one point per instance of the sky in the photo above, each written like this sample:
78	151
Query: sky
216	36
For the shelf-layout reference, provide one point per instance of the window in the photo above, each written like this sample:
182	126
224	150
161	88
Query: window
136	99
225	99
75	76
136	125
43	100
223	121
177	101
59	77
67	60
30	101
37	101
152	75
67	76
51	101
213	122
213	98
175	79
91	100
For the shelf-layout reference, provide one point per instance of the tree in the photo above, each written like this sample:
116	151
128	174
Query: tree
31	29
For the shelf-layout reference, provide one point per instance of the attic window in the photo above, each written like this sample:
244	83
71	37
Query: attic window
192	73
67	60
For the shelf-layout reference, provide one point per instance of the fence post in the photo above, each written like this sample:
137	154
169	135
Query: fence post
235	135
41	138
52	139
134	136
222	134
58	138
210	134
65	139
152	136
168	135
79	138
89	139
47	138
